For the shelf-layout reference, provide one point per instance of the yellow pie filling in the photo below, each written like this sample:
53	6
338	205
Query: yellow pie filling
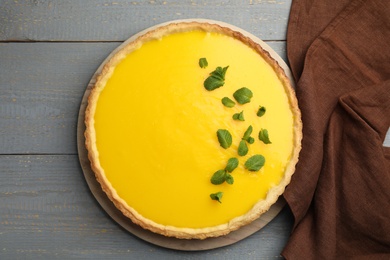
156	129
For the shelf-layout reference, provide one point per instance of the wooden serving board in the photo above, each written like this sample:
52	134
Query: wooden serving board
126	223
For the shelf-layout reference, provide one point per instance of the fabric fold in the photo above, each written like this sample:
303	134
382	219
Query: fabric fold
307	21
340	193
371	104
350	217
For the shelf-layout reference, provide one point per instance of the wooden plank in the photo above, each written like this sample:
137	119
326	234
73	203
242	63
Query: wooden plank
47	211
116	20
41	87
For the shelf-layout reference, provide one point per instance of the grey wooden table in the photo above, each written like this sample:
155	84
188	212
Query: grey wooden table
49	50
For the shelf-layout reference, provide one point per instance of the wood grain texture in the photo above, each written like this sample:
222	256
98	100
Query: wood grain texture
116	20
47	212
41	88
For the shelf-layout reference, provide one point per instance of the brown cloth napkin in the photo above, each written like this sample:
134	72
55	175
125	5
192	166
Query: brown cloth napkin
339	52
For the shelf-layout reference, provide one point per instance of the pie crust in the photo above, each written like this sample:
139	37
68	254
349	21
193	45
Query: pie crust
93	154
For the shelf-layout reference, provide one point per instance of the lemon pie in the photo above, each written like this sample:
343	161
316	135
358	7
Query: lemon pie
192	130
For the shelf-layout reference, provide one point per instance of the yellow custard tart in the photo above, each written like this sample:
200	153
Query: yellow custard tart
193	130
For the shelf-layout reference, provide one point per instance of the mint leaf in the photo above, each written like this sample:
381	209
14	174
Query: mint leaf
212	83
261	111
203	63
242	148
247	133
231	164
218	177
224	138
239	116
219	72
229	179
250	140
221	176
243	95
224	71
255	162
227	102
217	196
263	136
216	79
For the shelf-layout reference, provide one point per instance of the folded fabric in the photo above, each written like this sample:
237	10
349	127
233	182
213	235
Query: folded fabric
339	53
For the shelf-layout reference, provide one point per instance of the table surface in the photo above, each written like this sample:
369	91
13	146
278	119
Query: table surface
49	51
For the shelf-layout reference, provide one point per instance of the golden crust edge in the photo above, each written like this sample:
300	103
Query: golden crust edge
188	233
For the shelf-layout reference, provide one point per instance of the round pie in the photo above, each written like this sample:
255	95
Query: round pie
193	130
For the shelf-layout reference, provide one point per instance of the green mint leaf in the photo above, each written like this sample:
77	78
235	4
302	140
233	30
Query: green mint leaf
261	111
203	63
218	177
224	138
239	116
242	148
219	72
250	140
212	83
216	79
243	95
217	196
229	179
231	164
227	102
263	136
247	133
224	71
255	162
